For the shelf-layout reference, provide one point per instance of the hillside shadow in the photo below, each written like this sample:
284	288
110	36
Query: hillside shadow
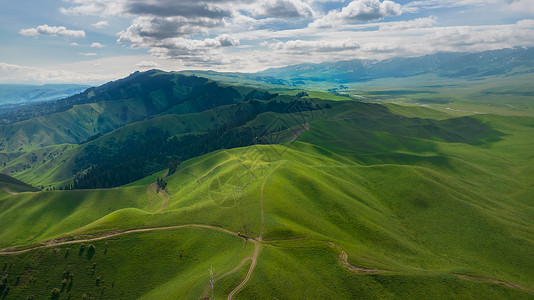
468	129
371	134
90	252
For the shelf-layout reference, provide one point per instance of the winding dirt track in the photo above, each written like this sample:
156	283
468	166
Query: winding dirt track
494	281
5	188
298	132
250	270
164	195
255	241
53	243
344	260
207	290
256	244
254	257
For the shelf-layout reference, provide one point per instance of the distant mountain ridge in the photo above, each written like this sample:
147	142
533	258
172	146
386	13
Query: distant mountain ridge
22	93
480	64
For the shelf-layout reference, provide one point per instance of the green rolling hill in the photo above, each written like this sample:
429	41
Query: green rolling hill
245	123
102	109
489	82
12	186
284	195
423	213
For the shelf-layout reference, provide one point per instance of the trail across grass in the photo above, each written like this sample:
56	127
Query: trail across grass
5	188
494	281
54	243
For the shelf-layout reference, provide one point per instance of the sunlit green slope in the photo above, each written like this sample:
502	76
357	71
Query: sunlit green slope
419	210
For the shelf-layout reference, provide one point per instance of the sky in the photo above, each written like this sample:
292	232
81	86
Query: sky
95	41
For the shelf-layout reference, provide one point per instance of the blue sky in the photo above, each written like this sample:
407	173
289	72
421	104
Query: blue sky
94	41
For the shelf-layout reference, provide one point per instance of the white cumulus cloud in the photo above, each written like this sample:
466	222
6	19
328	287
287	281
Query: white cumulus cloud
282	9
97	45
52	30
100	24
147	65
251	35
359	11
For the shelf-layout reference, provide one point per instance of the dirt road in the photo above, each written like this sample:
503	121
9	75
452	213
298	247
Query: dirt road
255	241
250	270
5	188
495	281
344	260
297	133
53	243
207	290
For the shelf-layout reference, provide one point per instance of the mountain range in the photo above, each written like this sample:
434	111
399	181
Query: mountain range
20	93
469	65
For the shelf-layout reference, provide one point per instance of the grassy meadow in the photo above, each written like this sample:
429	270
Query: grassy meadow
419	200
426	195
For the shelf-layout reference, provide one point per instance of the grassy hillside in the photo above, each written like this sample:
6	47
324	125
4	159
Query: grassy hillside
102	109
240	124
166	263
10	185
364	204
249	122
426	194
502	95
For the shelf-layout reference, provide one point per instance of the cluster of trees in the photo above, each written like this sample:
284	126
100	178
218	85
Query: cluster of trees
259	95
161	184
302	94
172	166
138	157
